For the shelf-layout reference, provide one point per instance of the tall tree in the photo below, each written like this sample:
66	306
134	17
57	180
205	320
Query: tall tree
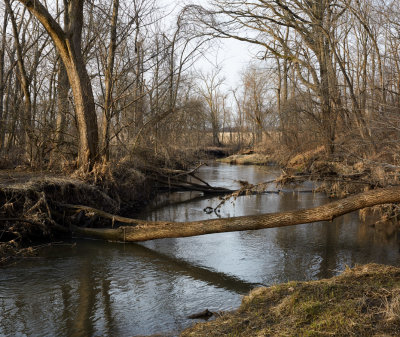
309	47
107	113
24	80
69	45
214	98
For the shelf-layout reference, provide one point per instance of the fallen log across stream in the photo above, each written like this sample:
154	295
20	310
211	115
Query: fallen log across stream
141	230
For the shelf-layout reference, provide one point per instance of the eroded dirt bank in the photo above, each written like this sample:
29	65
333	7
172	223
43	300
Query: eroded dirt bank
30	211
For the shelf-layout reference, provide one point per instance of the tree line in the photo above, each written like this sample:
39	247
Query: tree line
92	81
333	65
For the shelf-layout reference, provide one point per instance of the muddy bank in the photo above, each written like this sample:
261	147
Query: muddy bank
364	301
29	211
43	207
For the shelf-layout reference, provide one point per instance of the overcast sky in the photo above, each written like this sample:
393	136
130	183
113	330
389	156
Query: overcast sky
232	55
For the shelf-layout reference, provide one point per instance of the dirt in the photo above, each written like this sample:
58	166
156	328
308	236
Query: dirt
30	215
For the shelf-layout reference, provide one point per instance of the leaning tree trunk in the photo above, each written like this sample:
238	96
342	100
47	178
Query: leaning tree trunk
141	230
68	44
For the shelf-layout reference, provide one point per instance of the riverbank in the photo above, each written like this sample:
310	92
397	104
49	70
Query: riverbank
248	159
40	207
363	301
337	176
31	212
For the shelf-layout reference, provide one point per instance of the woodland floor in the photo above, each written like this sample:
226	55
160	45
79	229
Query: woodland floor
12	177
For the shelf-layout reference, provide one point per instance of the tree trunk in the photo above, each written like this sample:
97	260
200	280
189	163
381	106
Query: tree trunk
107	112
68	44
24	80
2	80
62	110
81	88
163	229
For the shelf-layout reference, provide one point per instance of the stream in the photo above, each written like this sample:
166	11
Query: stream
96	288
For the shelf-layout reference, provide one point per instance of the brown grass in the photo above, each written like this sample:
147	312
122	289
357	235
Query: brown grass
364	301
248	159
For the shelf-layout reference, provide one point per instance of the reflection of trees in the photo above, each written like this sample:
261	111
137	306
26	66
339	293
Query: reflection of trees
170	264
78	293
329	235
319	250
66	295
108	316
83	322
309	251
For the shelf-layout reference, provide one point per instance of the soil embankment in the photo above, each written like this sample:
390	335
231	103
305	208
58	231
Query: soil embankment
35	207
364	301
30	214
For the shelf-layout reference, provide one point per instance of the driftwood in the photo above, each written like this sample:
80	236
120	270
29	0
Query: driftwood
148	230
192	186
183	180
102	214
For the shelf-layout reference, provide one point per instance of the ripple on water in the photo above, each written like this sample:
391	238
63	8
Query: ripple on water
97	288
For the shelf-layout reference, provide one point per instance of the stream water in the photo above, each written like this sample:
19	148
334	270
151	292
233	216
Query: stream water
95	288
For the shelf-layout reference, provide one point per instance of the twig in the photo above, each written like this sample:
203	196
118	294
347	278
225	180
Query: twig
20	220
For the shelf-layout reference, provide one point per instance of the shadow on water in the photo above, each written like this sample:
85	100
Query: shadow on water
180	266
80	284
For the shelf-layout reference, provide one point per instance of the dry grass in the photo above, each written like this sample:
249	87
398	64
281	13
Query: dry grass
364	301
248	159
302	160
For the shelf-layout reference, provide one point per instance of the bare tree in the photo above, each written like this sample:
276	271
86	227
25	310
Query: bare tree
69	45
210	88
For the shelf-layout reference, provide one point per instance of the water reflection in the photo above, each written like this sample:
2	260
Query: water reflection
109	289
96	288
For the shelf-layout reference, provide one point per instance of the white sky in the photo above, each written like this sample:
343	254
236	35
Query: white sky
231	55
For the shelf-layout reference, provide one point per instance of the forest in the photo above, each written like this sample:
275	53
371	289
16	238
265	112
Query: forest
86	82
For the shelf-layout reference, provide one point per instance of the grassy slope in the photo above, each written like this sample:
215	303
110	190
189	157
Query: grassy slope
364	301
247	159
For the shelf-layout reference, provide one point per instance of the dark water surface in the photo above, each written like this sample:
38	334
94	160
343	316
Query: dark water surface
95	288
